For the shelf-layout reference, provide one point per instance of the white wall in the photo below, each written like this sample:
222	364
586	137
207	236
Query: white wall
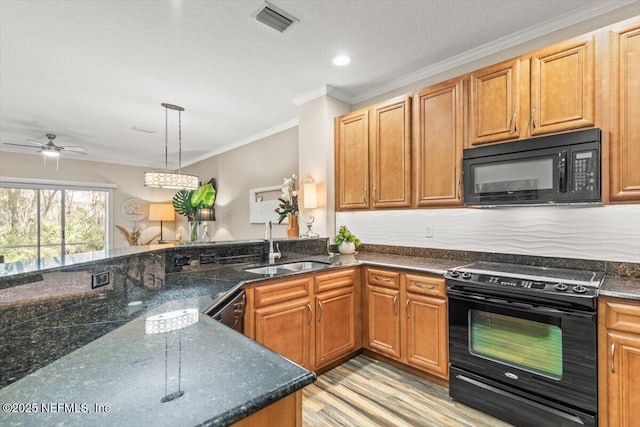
262	163
316	156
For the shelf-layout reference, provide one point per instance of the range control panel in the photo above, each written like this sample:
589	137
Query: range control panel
522	284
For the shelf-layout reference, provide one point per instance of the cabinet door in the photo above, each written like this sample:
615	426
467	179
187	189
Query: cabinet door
426	334
335	325
494	100
623	379
624	74
383	320
563	86
438	138
390	151
352	160
286	329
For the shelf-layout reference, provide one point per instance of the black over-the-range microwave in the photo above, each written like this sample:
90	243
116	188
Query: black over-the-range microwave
556	169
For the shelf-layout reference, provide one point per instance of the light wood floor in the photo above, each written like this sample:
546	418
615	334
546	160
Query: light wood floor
364	392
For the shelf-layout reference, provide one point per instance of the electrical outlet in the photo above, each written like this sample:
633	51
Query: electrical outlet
429	232
100	279
181	260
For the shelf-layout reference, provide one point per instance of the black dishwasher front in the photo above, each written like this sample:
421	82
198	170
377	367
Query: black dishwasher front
231	312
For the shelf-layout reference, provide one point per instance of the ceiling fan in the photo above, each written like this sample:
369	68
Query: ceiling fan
52	150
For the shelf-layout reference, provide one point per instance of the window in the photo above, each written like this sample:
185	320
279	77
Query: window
43	220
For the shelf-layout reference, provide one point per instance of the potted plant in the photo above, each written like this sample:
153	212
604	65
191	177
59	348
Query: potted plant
347	241
187	203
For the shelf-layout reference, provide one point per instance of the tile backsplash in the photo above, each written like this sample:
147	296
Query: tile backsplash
608	233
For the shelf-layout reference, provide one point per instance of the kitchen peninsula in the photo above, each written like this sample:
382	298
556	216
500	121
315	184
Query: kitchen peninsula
88	349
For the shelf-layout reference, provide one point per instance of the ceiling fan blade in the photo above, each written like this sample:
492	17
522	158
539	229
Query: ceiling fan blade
81	150
36	142
19	145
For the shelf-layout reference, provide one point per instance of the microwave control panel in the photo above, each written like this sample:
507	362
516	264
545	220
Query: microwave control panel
585	171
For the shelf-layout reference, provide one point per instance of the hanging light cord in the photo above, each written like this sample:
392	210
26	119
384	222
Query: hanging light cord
166	139
180	141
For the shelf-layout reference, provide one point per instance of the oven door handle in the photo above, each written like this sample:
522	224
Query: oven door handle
549	311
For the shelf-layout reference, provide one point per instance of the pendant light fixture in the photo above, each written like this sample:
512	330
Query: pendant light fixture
167	179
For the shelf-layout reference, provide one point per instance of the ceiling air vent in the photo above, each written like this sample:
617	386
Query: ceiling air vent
275	18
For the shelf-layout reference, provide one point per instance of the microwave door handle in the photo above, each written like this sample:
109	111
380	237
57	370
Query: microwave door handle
562	172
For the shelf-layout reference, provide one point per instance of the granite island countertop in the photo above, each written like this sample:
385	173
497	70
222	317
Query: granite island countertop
120	379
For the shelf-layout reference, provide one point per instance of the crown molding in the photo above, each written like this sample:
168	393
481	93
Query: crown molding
324	91
248	140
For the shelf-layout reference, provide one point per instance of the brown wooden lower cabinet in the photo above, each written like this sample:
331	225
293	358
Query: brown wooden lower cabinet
286	329
407	319
335	324
619	362
313	320
426	337
286	412
318	319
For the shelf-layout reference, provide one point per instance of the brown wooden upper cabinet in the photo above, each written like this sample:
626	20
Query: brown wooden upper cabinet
373	156
550	90
438	126
494	103
352	160
624	90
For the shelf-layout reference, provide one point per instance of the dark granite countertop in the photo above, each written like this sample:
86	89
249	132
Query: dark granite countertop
224	376
620	287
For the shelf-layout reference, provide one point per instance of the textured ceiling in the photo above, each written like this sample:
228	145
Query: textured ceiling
90	71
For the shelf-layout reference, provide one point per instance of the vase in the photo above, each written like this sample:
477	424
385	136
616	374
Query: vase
293	232
194	230
347	248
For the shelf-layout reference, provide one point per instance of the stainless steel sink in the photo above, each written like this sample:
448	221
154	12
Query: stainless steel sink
288	268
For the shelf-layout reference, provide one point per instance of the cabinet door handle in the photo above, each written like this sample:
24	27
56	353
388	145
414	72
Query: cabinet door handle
424	285
613	355
406	307
321	310
533	116
513	127
458	190
309	308
364	194
382	279
374	195
395	305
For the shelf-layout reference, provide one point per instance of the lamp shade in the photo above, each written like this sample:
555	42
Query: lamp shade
161	212
310	195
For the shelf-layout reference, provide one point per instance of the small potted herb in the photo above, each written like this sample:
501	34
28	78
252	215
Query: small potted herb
347	241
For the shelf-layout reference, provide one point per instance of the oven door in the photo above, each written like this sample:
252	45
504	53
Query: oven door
546	351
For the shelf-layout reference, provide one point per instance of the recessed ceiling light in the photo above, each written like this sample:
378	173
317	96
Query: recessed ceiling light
341	60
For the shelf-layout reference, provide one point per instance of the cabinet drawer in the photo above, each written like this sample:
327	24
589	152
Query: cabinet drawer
334	280
623	316
281	291
426	285
386	278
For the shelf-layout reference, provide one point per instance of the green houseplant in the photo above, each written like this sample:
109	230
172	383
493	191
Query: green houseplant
347	241
187	203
